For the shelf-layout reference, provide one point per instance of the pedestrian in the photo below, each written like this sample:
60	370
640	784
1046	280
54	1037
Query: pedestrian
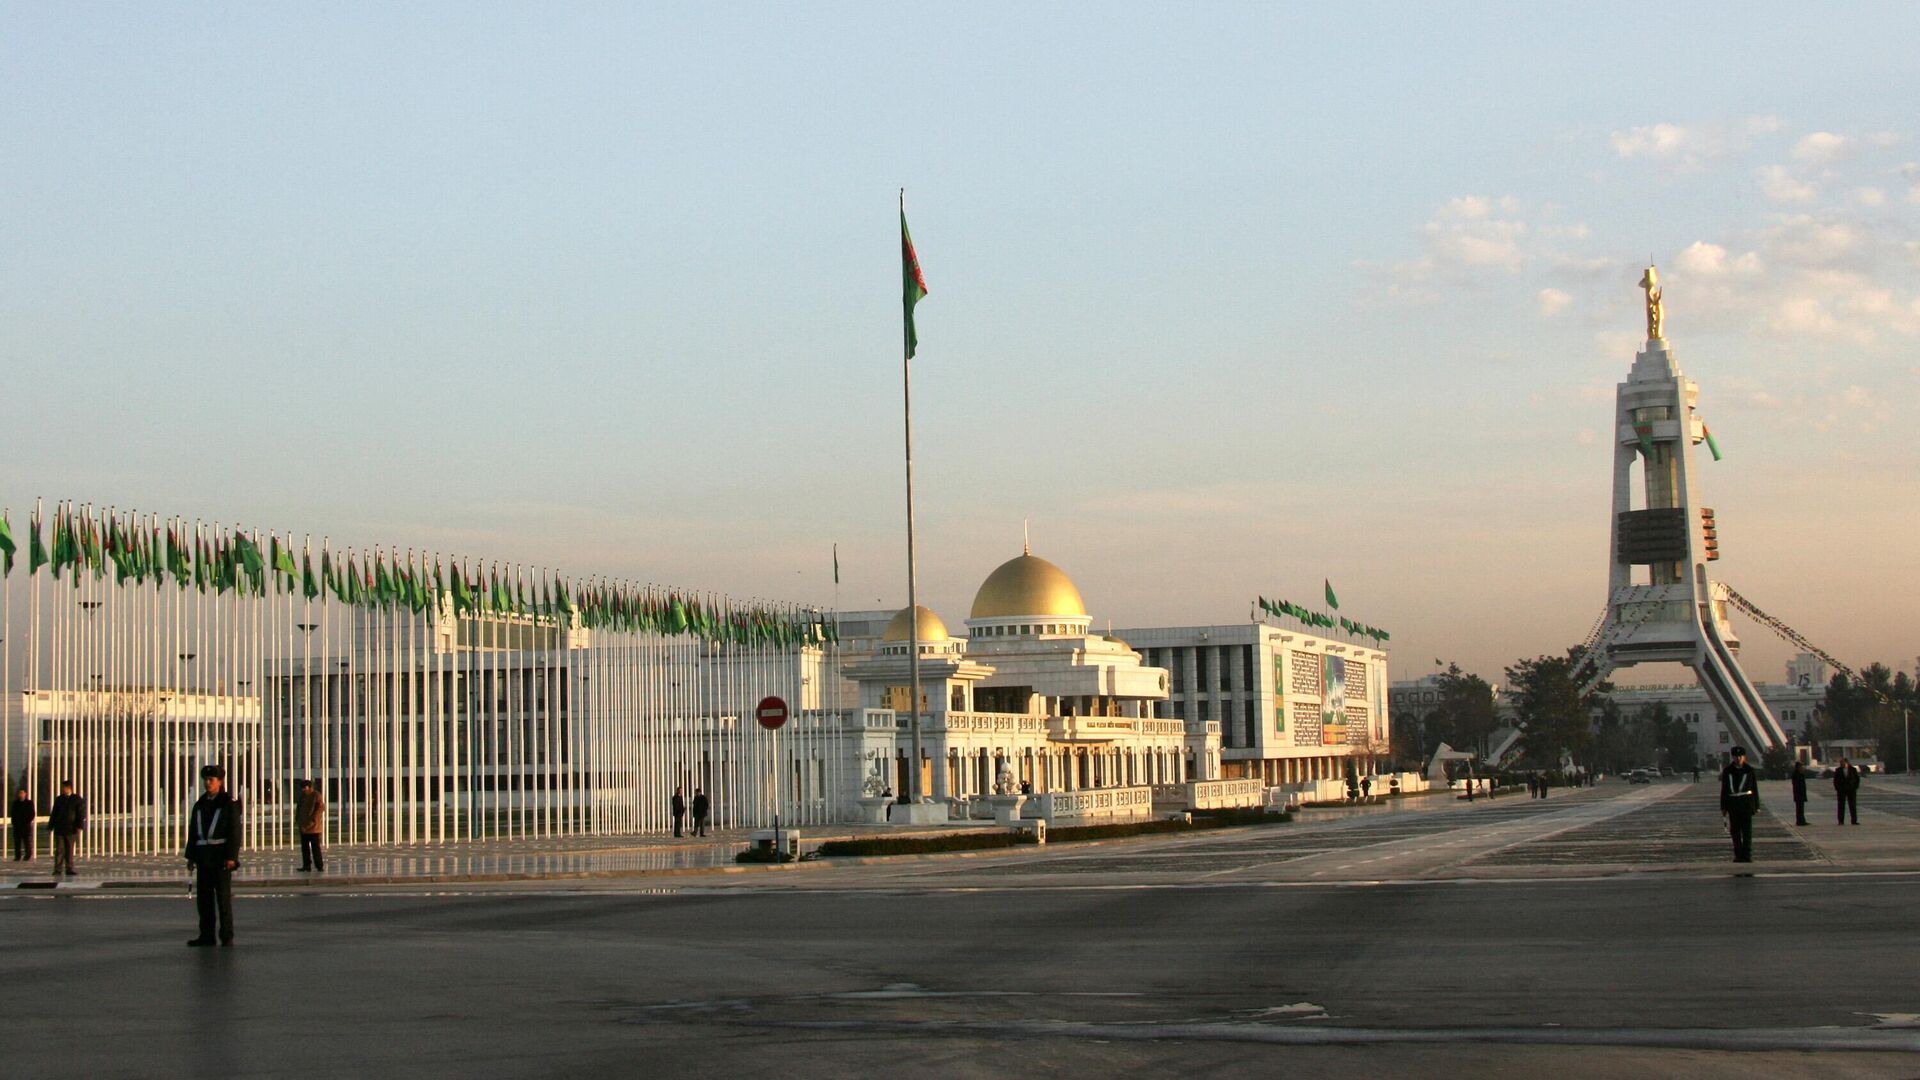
700	808
213	847
1739	801
1366	787
65	821
1799	781
20	814
679	810
1696	774
1545	781
310	817
1846	789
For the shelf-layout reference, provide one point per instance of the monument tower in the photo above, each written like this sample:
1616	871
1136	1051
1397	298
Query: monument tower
1662	605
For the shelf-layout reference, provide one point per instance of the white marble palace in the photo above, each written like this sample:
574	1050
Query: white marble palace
1031	694
1033	698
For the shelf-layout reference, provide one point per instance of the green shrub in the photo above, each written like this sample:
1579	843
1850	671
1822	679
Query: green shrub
920	845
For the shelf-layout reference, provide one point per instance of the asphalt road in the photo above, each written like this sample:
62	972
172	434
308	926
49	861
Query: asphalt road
988	967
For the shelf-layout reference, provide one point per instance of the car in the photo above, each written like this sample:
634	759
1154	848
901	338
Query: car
1639	776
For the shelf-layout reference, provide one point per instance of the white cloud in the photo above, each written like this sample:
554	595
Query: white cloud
1870	196
1886	138
1822	148
1804	315
1778	184
1710	260
1762	125
1552	301
1807	241
1703	258
1653	141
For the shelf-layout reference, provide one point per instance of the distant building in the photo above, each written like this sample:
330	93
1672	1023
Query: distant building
1292	705
1792	703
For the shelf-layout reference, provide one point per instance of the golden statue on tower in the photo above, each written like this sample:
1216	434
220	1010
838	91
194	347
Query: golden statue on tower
1656	315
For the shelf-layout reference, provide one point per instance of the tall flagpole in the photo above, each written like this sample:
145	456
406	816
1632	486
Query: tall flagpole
913	787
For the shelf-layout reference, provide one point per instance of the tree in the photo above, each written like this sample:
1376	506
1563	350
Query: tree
1868	707
1555	718
1464	718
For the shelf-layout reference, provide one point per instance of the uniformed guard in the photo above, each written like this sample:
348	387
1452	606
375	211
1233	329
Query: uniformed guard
1739	801
213	847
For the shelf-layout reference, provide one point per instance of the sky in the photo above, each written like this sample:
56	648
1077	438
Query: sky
1225	300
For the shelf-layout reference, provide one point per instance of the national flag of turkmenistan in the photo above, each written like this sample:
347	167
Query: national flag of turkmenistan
36	551
1332	600
6	545
913	284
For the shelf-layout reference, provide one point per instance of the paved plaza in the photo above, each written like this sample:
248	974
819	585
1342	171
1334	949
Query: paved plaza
1598	932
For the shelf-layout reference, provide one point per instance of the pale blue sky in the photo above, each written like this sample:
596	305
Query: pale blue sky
1224	298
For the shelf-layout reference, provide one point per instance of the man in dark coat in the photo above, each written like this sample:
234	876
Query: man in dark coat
20	813
1739	801
1846	788
310	817
679	808
1799	779
213	847
700	809
65	820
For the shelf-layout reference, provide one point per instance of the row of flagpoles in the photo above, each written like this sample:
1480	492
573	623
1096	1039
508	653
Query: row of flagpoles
426	699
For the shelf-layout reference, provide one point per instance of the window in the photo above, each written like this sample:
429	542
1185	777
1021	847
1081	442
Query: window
1723	737
1201	681
1246	671
1249	721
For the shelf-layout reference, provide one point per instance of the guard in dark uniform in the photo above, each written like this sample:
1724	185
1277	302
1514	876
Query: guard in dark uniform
213	847
1799	780
1739	801
1846	789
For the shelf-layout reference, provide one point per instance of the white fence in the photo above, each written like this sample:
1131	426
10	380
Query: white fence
1094	806
1211	795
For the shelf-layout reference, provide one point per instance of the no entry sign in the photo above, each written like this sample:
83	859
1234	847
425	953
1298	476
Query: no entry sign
771	712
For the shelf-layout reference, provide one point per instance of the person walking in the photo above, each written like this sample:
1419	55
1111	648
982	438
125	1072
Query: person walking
700	808
1739	801
65	820
1846	790
213	847
1799	781
679	810
310	817
20	814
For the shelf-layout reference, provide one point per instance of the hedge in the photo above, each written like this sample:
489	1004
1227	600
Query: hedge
981	841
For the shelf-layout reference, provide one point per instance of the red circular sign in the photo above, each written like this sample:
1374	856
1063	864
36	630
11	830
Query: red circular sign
771	712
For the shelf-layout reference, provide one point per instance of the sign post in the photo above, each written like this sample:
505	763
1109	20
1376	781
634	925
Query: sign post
772	714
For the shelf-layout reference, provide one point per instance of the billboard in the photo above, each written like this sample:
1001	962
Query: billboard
1333	710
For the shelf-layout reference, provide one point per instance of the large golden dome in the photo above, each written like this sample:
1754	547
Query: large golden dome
932	630
1028	586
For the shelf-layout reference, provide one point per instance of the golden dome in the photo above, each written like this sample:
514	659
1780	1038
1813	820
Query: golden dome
1028	586
932	630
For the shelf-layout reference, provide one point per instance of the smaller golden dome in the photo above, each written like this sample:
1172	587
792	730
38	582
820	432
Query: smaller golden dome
931	630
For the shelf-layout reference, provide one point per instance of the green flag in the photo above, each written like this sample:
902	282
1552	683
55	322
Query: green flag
1332	600
309	585
283	562
913	284
36	551
1712	447
6	545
